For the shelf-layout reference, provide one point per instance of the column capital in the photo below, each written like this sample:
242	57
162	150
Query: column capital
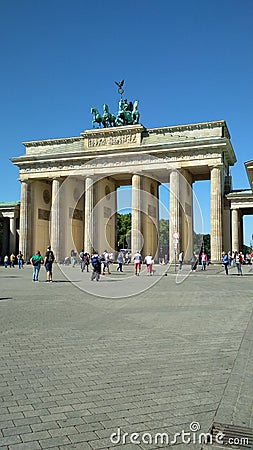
217	166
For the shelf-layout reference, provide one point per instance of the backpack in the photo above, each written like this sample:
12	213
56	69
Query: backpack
35	261
50	256
94	261
225	259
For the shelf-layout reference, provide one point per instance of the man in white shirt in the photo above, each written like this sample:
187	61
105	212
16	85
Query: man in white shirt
149	264
137	263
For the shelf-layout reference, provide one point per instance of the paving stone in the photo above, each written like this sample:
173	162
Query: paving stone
76	367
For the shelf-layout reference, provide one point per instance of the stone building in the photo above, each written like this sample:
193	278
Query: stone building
68	187
9	226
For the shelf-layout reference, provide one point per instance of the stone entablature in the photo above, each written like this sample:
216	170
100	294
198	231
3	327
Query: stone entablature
191	131
242	199
138	138
9	209
201	144
54	146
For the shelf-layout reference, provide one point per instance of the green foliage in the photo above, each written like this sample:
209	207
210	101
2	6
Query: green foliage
246	249
124	230
163	237
201	242
124	235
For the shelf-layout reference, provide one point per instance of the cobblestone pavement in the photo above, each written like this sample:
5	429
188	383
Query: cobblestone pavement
75	368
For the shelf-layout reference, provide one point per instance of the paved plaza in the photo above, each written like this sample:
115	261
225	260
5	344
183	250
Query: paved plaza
145	355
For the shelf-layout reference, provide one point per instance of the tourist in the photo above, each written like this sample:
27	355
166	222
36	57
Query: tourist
12	260
20	260
81	256
120	261
137	263
49	259
225	261
106	262
238	262
73	258
194	262
36	261
181	260
6	261
148	260
203	261
96	265
127	257
86	261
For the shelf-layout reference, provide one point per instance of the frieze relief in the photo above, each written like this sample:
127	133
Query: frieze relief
122	162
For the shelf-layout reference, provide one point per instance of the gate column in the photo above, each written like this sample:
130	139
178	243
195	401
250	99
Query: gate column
88	216
13	233
235	230
24	227
174	215
186	213
136	236
216	214
55	219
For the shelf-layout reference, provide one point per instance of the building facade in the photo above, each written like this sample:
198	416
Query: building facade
68	187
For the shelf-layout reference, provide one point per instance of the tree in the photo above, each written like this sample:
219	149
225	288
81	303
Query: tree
163	237
201	242
123	230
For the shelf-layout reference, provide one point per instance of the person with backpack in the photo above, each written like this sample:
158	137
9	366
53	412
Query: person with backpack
225	261
49	259
36	261
96	265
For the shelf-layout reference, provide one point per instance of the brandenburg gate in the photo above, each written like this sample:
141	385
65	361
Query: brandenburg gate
68	187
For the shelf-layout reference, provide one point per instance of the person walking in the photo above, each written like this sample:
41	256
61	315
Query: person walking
137	263
181	260
73	258
49	259
194	262
96	265
81	256
120	261
12	260
148	260
87	261
106	262
20	260
238	262
36	261
225	261
203	261
6	261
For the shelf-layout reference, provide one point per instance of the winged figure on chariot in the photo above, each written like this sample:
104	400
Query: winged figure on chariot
128	113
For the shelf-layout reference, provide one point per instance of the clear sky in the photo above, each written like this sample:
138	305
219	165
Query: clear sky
186	61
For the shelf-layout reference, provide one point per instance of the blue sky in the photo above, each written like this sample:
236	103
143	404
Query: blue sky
185	61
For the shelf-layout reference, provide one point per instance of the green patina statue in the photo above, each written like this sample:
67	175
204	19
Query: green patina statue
128	113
